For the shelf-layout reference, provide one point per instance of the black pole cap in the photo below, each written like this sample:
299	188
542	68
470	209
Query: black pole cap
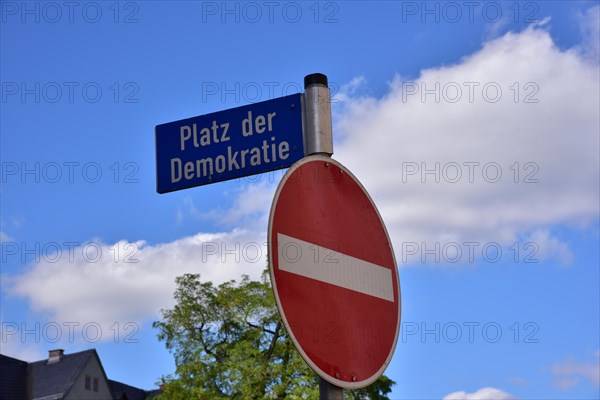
315	79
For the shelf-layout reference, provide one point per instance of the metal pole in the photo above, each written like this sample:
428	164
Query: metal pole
327	391
317	115
319	140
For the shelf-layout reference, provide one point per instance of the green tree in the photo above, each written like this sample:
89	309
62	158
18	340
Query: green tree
229	343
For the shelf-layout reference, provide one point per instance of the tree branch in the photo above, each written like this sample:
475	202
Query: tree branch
250	324
205	347
269	353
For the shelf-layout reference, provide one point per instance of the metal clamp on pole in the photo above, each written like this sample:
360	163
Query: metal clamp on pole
317	115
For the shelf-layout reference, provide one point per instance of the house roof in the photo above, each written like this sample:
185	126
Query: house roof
41	380
123	391
13	378
153	393
58	378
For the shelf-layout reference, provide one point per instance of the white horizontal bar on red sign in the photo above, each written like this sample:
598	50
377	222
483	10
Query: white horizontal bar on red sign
326	265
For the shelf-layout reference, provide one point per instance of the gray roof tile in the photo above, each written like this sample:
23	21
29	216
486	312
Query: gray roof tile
13	378
57	378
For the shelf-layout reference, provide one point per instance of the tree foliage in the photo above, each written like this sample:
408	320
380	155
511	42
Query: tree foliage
229	343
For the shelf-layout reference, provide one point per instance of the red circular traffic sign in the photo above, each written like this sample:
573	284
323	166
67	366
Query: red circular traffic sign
334	273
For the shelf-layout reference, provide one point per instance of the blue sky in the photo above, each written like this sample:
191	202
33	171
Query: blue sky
468	90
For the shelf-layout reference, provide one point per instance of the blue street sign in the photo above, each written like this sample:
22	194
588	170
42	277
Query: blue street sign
229	144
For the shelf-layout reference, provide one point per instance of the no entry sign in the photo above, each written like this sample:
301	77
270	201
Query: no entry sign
333	272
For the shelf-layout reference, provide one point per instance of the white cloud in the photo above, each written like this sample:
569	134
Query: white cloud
4	237
107	285
487	393
14	346
589	23
250	203
349	89
549	247
496	28
542	132
123	282
517	380
571	372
